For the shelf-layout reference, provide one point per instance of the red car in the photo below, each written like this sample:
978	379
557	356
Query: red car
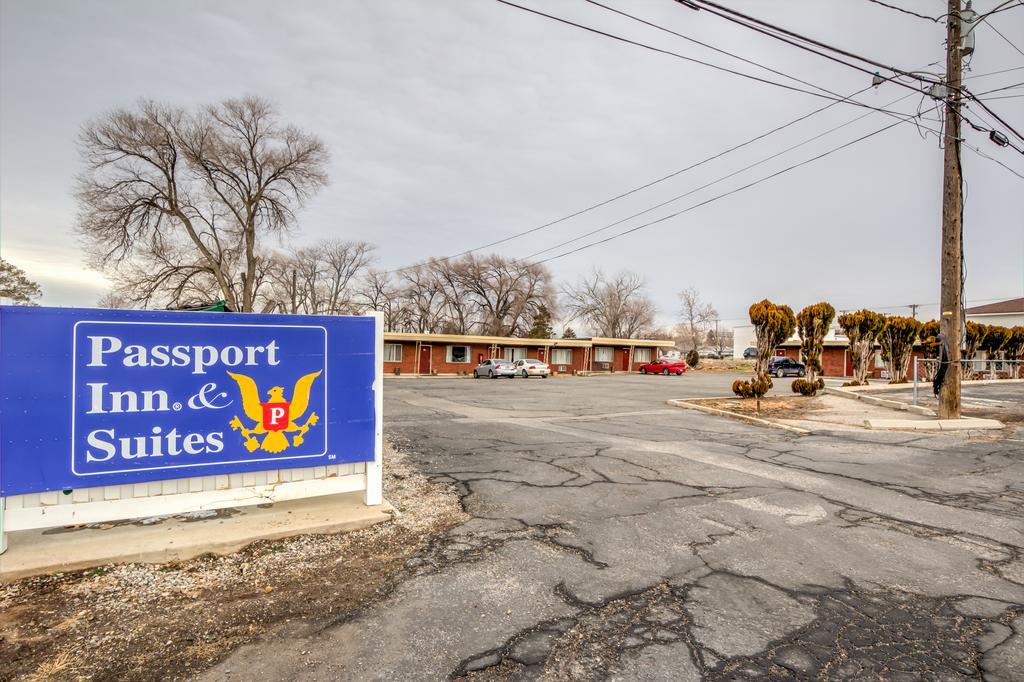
664	366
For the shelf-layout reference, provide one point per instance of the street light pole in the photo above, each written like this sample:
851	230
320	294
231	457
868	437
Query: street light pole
951	285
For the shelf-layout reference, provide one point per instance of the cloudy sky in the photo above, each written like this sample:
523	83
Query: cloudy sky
453	124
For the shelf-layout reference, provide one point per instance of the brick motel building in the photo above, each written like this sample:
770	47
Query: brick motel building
837	361
453	354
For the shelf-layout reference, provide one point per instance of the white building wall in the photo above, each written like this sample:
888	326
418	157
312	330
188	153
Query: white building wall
1002	320
742	338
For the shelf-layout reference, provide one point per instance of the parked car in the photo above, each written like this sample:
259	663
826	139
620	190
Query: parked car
494	368
750	353
664	366
781	367
710	354
532	368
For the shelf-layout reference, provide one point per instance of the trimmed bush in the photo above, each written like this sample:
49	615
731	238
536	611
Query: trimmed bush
897	342
862	329
974	336
931	349
807	388
773	324
812	324
1014	349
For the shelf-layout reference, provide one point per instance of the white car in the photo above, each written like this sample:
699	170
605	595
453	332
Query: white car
532	368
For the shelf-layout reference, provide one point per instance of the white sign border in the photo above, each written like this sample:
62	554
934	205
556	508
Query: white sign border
74	392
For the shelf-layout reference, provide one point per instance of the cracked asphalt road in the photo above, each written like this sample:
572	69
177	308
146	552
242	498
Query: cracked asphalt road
613	537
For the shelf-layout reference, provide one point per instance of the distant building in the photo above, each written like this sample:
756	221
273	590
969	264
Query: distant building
453	354
1004	313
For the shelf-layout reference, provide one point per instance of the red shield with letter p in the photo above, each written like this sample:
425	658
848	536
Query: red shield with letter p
275	416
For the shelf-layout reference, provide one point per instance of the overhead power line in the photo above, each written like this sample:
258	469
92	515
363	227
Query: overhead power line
708	46
639	188
720	196
1005	87
992	113
716	181
690	167
1000	34
906	11
753	23
678	55
773	30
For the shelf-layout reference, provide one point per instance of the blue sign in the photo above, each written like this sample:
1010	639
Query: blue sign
104	397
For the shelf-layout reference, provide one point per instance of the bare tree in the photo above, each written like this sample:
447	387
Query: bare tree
425	300
16	286
460	310
486	295
182	200
720	339
318	279
377	291
615	306
696	315
507	293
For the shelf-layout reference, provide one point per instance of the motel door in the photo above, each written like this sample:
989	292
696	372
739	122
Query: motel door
425	352
625	359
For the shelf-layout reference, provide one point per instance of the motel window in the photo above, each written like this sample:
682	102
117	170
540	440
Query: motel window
392	352
514	354
603	354
641	355
561	356
458	354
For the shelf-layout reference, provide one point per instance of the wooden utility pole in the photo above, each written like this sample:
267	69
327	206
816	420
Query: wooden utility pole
952	222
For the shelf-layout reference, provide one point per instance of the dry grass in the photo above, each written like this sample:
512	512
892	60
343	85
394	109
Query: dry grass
725	365
59	667
784	407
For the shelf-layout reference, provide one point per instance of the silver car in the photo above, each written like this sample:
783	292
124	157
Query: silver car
492	369
532	368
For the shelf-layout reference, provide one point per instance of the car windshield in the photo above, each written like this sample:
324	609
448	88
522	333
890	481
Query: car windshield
530	361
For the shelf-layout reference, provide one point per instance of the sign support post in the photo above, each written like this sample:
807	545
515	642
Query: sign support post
374	468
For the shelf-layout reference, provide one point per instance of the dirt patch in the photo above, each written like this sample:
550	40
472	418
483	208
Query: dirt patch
135	621
783	407
725	365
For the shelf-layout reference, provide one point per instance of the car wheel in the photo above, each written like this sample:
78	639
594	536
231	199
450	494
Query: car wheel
780	373
544	376
491	374
526	375
679	373
476	374
643	370
665	372
801	373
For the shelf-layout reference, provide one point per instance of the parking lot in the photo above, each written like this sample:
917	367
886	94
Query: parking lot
1004	402
615	537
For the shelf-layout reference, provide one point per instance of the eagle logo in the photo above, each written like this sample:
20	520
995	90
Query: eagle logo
275	417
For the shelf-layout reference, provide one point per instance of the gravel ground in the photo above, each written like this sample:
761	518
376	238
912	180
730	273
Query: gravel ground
135	621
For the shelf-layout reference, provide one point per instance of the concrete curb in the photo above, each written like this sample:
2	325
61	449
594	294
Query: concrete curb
736	415
881	402
966	424
910	385
36	552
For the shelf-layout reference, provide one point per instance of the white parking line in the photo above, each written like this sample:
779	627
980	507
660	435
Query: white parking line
992	401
